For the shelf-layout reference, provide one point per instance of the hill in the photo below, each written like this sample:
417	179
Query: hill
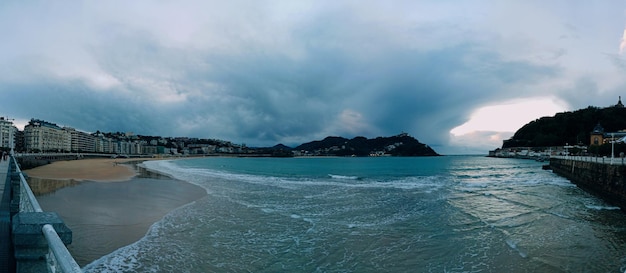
568	127
400	145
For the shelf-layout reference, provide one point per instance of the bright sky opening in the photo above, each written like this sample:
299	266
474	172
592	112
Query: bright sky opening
509	116
622	45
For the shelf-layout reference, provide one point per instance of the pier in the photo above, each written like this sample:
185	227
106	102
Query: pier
32	240
602	176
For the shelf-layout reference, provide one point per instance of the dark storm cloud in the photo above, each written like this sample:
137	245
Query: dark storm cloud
270	96
76	106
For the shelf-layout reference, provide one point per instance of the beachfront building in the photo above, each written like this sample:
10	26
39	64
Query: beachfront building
136	147
81	142
129	147
7	134
105	144
149	149
43	136
599	136
123	147
19	141
201	148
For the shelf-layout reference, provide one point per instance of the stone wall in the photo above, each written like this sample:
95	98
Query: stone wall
606	181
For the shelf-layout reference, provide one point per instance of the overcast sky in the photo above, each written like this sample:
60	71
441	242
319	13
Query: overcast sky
460	76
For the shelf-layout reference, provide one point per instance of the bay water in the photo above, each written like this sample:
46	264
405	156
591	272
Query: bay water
387	214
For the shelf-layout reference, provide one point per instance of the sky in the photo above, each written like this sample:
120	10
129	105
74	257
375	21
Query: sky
460	76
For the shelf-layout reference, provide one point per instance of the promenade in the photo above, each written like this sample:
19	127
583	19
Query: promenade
7	262
594	159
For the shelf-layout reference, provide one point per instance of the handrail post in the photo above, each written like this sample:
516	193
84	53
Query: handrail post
15	192
31	245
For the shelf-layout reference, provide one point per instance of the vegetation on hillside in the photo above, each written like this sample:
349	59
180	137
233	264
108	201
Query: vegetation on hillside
400	145
568	127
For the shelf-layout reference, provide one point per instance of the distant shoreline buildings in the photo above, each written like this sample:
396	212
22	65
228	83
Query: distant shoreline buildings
42	136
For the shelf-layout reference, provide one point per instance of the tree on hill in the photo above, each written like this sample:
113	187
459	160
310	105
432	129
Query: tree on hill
325	143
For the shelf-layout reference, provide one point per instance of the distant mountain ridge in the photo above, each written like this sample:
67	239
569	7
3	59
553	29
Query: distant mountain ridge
399	145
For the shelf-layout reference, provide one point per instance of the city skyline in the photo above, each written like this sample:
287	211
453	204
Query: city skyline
459	76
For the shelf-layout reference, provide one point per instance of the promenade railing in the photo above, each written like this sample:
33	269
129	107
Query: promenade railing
38	234
595	159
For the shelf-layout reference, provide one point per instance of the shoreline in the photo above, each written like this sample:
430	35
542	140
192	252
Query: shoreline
108	203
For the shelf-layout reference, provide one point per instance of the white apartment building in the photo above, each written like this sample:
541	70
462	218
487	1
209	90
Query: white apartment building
130	147
7	134
81	141
105	145
44	136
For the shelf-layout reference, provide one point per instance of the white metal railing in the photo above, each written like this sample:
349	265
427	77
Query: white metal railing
59	258
595	159
28	202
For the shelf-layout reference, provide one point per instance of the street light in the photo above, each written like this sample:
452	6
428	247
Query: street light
612	147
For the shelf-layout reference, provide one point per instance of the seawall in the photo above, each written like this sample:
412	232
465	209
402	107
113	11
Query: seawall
604	180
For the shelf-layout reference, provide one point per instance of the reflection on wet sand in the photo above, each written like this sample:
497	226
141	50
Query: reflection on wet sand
43	186
142	172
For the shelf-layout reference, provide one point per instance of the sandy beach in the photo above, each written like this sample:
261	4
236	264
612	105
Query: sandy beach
99	170
106	216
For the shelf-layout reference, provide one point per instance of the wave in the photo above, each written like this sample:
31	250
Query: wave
123	259
132	257
332	214
346	177
600	207
514	245
127	258
202	176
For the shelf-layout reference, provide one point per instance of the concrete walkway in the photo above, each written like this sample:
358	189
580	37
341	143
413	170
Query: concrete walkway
7	262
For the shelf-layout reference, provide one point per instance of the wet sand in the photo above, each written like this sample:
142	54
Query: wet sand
106	216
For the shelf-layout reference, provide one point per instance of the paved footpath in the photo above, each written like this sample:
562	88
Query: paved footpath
7	263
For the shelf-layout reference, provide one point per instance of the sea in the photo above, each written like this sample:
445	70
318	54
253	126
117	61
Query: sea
377	214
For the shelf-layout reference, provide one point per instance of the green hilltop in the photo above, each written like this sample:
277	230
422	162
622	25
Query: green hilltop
572	128
399	145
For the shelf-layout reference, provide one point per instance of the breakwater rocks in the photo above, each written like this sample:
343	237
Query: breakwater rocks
605	180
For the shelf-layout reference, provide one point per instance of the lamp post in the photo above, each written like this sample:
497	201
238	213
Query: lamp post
612	147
